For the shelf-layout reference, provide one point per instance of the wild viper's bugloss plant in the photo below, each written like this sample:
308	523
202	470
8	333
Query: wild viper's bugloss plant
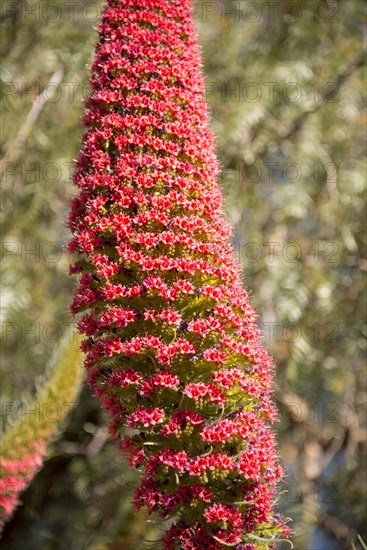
26	441
172	349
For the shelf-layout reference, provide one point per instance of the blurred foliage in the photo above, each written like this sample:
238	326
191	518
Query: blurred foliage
285	85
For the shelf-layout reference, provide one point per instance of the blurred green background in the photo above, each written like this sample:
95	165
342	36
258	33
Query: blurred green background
286	89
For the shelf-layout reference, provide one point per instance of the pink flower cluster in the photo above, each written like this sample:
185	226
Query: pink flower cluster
172	348
15	475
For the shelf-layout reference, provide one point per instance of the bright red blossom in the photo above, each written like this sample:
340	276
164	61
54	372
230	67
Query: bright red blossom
172	348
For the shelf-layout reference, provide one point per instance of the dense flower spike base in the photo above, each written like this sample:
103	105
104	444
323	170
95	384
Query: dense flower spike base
172	349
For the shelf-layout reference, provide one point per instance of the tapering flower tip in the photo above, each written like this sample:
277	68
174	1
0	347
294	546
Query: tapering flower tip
172	349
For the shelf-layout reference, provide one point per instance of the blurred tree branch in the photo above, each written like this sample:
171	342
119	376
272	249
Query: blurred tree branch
329	92
14	150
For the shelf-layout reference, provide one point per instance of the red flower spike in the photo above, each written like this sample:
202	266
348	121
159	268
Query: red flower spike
172	349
